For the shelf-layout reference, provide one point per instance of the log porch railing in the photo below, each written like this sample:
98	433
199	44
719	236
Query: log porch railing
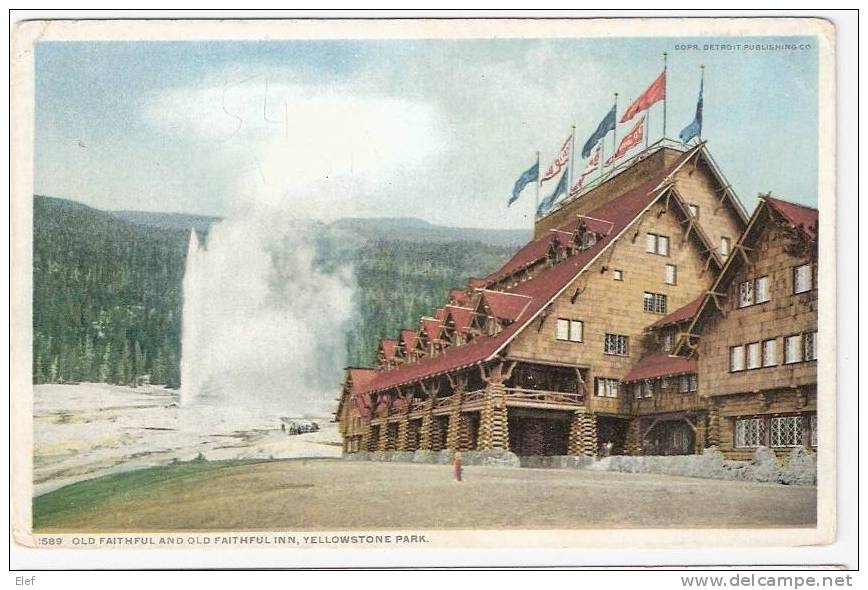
543	397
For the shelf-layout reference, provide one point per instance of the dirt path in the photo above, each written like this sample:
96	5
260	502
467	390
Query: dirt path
334	494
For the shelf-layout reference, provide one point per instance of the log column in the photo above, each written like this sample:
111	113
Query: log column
383	440
493	421
365	444
583	434
633	445
453	430
427	433
712	433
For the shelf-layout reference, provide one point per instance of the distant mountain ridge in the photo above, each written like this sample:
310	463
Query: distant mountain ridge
108	285
409	229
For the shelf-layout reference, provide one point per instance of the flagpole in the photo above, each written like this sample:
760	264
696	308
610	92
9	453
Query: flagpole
702	90
572	152
615	130
536	204
665	89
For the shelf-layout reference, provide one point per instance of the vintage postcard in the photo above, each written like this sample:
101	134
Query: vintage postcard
423	284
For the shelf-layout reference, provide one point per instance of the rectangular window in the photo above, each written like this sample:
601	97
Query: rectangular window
664	383
750	432
663	245
770	353
651	243
786	431
563	330
725	246
745	294
667	341
615	344
761	290
569	330
637	390
577	330
814	430
792	349
654	302
618	275
693	209
648	388
802	278
693	382
753	355
736	358
684	384
607	387
670	275
656	244
811	346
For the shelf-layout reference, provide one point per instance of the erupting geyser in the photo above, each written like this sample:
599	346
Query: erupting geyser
263	324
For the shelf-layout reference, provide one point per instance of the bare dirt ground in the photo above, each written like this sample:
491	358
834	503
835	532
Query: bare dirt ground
332	494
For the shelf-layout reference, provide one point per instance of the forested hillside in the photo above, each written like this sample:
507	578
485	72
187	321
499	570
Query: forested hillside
107	291
106	296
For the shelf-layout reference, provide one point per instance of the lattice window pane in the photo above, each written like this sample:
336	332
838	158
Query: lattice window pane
745	294
770	353
749	432
663	245
786	431
814	430
792	349
563	330
736	358
811	346
802	279
650	243
753	355
762	290
576	331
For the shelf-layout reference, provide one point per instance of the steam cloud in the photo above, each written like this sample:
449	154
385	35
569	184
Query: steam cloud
262	325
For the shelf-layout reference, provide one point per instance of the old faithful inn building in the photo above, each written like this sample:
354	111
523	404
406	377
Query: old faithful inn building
649	315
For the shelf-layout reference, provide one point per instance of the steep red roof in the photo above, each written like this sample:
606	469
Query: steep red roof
505	306
408	338
459	296
682	314
619	213
461	316
388	347
431	327
660	364
360	377
802	217
440	314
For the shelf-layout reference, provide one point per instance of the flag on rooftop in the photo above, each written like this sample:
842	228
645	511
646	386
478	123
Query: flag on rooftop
549	201
528	176
653	94
590	168
695	128
629	141
606	125
559	163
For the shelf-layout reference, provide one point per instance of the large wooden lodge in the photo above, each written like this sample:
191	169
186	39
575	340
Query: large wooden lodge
649	315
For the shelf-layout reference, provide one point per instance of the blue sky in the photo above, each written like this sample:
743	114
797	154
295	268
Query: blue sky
436	129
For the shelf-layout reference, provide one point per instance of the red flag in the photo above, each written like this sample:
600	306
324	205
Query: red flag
655	92
559	163
632	139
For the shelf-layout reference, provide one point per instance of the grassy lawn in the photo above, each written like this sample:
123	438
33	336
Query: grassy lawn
331	494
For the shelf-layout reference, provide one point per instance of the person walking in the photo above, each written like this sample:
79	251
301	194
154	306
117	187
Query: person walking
456	465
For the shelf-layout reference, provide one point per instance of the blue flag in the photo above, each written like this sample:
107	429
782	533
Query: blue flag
695	128
528	176
606	125
547	203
